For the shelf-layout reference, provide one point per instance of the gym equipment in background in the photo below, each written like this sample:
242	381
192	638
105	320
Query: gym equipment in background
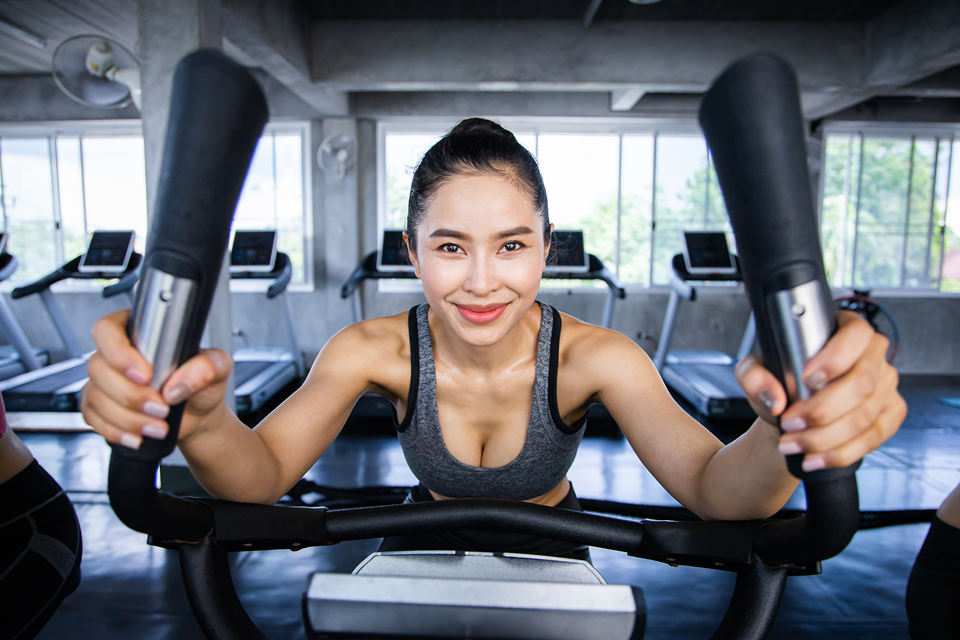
56	387
97	72
261	372
19	356
755	105
703	378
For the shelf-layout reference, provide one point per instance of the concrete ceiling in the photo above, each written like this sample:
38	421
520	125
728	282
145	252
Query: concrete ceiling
542	57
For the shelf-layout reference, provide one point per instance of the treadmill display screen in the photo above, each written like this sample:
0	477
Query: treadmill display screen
707	252
253	251
567	253
393	252
108	251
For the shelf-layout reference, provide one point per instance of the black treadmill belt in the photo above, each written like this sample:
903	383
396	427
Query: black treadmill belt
243	371
50	383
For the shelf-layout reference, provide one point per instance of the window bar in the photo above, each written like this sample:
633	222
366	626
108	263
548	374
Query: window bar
933	206
83	193
55	188
619	207
946	205
856	219
3	198
653	207
846	205
906	213
273	160
706	195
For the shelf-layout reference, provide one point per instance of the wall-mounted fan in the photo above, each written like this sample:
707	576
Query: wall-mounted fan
338	152
97	72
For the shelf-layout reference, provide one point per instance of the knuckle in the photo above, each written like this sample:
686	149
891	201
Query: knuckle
882	341
863	383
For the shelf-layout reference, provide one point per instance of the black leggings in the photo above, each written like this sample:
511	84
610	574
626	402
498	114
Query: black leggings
40	549
933	591
487	540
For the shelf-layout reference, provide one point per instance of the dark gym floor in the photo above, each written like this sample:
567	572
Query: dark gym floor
131	590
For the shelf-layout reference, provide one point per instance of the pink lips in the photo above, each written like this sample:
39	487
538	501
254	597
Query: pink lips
481	314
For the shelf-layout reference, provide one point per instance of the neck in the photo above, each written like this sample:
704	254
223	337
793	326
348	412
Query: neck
511	350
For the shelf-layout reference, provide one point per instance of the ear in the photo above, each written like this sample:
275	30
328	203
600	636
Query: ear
546	249
412	255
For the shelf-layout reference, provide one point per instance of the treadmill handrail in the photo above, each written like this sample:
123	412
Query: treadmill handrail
8	265
71	270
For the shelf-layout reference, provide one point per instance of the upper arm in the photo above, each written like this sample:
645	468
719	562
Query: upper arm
673	446
298	432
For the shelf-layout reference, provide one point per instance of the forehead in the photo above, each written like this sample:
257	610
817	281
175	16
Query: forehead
480	202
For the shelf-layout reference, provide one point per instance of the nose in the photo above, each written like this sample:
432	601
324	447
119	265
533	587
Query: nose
481	277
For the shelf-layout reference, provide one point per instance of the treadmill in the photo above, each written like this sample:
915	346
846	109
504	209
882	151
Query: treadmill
704	379
56	387
19	356
260	373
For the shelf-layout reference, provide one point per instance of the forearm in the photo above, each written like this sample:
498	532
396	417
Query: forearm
231	461
747	479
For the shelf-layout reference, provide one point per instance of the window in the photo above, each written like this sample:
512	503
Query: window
889	210
58	185
600	180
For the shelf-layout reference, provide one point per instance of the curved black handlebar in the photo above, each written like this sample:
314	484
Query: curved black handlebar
8	265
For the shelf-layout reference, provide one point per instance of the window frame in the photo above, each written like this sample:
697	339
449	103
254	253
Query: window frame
127	127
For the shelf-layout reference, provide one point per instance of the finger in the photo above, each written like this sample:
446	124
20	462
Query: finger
848	427
110	432
209	367
849	391
110	336
886	424
761	387
841	352
121	418
123	391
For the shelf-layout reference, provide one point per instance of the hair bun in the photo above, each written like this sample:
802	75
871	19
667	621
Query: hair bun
479	125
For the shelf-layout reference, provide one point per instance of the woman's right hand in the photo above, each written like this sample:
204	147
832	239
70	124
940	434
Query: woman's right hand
118	401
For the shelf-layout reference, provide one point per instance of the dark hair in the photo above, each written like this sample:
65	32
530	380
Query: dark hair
475	146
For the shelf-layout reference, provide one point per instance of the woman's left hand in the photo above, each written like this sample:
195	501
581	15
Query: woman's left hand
856	407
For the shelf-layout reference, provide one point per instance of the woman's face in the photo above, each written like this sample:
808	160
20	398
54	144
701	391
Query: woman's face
480	254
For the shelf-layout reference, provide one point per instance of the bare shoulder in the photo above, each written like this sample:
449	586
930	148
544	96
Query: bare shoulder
600	354
374	350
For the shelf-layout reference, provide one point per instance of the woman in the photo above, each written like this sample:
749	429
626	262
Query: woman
493	387
40	545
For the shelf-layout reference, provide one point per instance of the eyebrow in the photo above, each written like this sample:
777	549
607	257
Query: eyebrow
450	233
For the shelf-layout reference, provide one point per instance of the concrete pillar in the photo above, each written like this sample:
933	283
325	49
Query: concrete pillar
170	29
341	229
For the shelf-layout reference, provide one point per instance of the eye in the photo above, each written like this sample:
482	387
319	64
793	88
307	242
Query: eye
449	248
511	246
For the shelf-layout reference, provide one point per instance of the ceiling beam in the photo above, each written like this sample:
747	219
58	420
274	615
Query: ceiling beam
903	45
562	56
275	36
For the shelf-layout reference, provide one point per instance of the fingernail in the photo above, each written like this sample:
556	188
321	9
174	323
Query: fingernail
743	366
155	409
179	393
790	448
768	398
134	374
813	464
156	431
793	424
217	359
816	380
130	440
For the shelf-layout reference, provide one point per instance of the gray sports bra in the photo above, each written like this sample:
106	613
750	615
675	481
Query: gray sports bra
547	453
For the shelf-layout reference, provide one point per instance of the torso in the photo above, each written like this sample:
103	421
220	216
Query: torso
472	432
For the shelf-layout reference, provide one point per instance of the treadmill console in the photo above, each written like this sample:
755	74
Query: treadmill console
706	252
108	252
253	251
393	252
567	254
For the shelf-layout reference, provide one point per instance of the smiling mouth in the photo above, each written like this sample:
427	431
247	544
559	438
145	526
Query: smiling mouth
481	314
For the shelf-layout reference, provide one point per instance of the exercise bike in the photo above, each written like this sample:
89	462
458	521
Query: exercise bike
752	121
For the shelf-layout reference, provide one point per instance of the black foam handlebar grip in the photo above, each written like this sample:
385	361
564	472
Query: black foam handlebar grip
217	114
752	120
